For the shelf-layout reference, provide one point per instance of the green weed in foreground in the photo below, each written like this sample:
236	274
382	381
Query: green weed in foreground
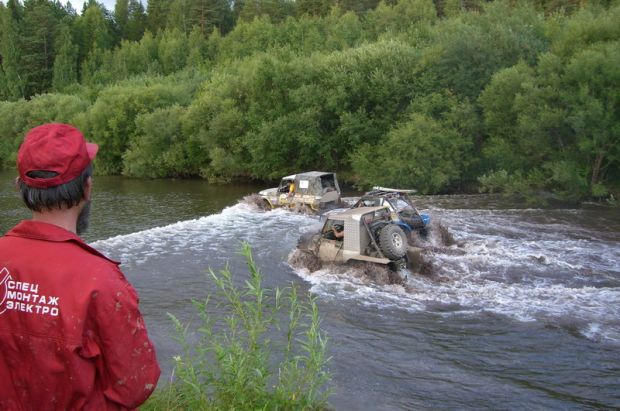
232	363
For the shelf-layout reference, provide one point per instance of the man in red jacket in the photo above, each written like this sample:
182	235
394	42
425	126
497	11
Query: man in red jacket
71	334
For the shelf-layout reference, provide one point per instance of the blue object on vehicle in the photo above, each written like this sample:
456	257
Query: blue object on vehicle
406	227
425	219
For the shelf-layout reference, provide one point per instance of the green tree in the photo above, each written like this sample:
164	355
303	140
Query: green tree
360	7
560	119
11	57
430	150
400	17
420	153
314	7
159	148
449	8
466	51
205	14
121	18
3	96
136	21
507	148
14	122
506	91
593	77
212	14
111	120
344	30
65	63
237	8
157	14
94	31
173	50
591	25
179	16
16	9
91	64
271	115
38	31
276	10
197	45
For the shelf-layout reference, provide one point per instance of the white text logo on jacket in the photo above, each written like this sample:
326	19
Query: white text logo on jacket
25	297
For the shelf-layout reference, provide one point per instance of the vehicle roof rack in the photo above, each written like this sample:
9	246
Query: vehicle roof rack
393	190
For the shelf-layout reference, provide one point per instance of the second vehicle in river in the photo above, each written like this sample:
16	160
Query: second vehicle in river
313	190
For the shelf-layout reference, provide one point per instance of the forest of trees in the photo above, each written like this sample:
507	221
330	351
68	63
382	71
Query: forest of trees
446	96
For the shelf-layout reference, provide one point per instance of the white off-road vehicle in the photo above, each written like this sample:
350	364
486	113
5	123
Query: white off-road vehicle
362	234
315	190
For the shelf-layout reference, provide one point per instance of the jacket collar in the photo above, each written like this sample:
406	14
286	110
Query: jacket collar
39	230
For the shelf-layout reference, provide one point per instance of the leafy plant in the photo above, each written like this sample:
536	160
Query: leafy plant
235	362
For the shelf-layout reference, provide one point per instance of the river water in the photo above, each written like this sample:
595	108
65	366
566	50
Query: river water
524	313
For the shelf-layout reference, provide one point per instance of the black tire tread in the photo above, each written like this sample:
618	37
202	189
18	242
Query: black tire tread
387	246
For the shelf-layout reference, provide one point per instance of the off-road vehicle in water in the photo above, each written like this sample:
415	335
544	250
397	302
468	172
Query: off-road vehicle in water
362	234
316	190
403	212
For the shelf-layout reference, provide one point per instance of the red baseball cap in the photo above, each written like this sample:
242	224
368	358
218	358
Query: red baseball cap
54	147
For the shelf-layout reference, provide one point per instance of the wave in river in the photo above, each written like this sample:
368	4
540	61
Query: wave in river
527	265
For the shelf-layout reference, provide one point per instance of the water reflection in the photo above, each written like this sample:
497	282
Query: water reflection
123	205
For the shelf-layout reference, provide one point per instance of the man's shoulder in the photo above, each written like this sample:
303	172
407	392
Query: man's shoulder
45	239
93	255
67	256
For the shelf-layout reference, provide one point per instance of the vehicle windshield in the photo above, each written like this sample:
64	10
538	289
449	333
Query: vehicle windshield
284	185
371	202
399	204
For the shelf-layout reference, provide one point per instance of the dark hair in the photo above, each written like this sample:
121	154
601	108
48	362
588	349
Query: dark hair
69	194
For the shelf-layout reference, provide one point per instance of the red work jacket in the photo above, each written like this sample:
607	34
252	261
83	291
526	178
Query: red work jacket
71	334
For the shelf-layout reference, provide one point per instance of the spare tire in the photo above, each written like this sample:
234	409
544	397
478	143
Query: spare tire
393	242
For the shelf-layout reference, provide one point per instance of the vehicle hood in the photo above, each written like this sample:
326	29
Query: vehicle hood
269	191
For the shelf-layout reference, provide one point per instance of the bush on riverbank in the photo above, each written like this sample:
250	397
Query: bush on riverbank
235	360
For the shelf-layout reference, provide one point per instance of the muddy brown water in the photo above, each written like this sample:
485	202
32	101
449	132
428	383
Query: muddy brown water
522	312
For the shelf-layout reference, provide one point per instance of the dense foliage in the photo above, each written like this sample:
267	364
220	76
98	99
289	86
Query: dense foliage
444	95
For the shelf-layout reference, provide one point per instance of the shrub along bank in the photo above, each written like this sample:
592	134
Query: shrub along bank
235	360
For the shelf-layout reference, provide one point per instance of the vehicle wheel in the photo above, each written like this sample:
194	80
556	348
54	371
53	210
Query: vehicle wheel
393	242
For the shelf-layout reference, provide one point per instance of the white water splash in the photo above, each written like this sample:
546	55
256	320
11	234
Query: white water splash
526	271
547	270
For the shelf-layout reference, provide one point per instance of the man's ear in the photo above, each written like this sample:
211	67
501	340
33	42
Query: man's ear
88	185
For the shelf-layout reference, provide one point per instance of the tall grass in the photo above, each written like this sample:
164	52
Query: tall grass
267	352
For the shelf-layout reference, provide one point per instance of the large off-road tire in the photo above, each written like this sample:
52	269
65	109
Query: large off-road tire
267	205
393	242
